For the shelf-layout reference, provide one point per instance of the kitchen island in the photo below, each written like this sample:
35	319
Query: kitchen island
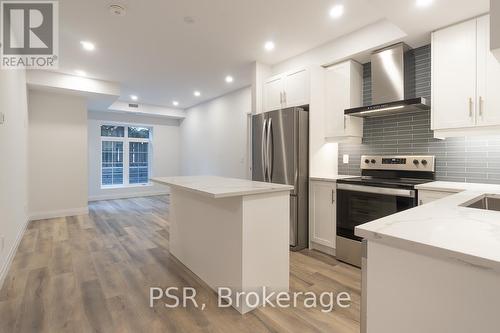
232	233
433	268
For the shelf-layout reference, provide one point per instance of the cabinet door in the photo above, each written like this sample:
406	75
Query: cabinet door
343	90
322	213
488	77
454	76
297	88
337	82
273	89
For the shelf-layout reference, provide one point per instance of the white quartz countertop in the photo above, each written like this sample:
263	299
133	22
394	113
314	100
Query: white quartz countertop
221	187
456	187
444	228
331	178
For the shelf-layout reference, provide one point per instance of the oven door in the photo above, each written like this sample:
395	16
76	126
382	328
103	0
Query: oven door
358	204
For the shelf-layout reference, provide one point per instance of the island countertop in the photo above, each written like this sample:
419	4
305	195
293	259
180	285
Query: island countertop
221	187
444	228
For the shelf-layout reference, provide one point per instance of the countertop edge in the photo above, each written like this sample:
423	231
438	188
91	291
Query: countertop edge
430	250
225	195
330	178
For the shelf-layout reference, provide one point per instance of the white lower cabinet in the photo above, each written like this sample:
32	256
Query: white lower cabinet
426	196
322	215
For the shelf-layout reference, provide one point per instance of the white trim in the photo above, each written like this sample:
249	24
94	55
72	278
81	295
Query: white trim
468	131
59	213
115	187
127	195
5	269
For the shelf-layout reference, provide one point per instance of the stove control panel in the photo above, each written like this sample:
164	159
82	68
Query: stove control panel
405	163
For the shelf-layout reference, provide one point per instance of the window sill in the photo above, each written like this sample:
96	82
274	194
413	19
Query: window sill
113	187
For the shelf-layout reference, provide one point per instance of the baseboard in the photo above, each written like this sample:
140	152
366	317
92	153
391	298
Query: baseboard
5	269
322	248
126	195
59	213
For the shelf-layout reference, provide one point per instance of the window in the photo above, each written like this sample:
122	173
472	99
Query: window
125	155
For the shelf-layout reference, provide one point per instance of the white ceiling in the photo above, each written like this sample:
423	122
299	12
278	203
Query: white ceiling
154	54
418	23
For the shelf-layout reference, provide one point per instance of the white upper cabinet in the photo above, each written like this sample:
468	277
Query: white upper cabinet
454	76
343	90
297	88
287	90
488	87
273	93
465	80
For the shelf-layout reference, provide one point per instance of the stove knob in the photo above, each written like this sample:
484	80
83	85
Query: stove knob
424	162
373	161
367	161
416	162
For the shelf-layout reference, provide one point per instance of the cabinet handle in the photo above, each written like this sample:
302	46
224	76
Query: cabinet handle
284	97
333	196
345	122
481	106
281	98
420	203
470	107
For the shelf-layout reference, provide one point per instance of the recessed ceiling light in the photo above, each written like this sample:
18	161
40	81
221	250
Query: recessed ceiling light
80	72
175	103
337	11
269	45
424	3
134	97
88	46
197	93
229	79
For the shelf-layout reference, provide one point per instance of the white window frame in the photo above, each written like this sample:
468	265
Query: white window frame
126	153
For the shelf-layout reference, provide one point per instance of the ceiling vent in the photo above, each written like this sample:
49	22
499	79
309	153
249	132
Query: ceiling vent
117	10
133	105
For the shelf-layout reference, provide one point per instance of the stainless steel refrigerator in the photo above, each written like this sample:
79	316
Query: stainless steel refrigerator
280	154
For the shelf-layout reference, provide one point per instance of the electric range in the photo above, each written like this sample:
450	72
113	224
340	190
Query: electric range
386	186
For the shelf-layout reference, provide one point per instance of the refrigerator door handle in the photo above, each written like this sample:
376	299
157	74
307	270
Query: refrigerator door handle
263	151
270	149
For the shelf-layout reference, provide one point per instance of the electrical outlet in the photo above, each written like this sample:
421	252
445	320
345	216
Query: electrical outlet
345	158
2	118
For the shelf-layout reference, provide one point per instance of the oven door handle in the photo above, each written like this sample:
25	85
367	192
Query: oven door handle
377	190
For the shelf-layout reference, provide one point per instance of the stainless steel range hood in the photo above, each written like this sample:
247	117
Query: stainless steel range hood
393	84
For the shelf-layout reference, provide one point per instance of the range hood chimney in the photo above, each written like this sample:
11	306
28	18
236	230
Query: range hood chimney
393	84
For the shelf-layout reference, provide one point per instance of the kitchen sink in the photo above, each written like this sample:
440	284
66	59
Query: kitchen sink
486	201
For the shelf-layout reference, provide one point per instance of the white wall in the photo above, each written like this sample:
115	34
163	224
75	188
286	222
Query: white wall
358	42
495	26
165	153
57	155
13	165
214	136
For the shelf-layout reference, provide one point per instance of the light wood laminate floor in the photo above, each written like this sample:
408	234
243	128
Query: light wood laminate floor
92	273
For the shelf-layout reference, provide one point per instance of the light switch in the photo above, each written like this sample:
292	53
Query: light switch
2	118
345	158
